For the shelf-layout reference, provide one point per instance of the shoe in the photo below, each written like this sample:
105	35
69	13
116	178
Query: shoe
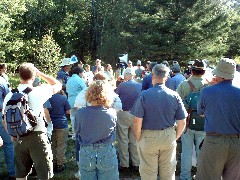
123	169
60	168
135	168
11	178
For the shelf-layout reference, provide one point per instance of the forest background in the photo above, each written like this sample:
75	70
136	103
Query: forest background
45	31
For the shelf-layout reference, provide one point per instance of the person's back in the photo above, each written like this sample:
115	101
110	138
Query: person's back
219	104
38	153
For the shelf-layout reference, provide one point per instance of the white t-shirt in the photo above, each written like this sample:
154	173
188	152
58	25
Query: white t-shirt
37	97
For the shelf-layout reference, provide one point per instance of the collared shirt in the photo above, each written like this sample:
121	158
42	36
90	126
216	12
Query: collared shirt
57	111
147	82
3	91
74	85
95	125
159	107
184	89
220	105
62	76
173	82
128	92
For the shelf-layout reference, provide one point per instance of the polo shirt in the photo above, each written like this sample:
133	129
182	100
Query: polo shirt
128	92
57	111
220	105
173	82
159	107
74	85
147	82
95	125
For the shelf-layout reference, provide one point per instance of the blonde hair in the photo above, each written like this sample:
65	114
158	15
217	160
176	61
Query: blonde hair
100	93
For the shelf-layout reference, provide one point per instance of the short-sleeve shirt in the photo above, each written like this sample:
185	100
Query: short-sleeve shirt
159	107
128	92
147	82
95	125
37	97
220	105
74	85
59	106
175	81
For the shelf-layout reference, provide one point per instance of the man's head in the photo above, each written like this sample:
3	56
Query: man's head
27	72
78	70
98	62
160	73
198	68
128	73
176	68
225	69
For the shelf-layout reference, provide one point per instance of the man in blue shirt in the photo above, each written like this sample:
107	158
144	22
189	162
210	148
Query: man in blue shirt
156	112
128	92
220	155
177	78
74	85
147	80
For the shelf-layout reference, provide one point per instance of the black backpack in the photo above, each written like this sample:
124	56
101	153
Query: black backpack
18	115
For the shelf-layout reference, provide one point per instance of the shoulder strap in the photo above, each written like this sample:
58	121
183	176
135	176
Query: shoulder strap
15	90
27	90
193	88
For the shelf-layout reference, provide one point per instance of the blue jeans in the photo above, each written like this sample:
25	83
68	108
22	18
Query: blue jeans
188	139
98	162
7	148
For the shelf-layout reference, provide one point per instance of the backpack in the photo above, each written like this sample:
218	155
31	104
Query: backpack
18	115
194	121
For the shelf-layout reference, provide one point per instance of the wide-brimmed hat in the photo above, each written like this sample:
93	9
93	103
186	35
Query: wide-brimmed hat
225	68
66	61
128	71
199	65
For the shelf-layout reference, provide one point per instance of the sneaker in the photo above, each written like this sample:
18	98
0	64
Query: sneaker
60	168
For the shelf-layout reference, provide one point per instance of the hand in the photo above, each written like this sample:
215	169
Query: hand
49	130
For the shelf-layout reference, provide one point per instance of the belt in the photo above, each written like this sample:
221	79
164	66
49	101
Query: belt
227	135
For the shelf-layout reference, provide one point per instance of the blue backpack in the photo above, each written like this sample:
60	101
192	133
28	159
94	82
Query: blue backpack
194	121
18	115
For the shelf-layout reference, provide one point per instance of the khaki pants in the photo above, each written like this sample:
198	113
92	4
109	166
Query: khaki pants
59	145
126	141
157	153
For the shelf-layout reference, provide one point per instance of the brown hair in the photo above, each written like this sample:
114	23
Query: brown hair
100	93
27	71
100	76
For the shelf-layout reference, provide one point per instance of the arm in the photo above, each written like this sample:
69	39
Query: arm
57	86
137	128
180	127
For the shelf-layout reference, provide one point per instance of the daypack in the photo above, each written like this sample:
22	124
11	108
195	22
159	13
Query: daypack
18	115
194	121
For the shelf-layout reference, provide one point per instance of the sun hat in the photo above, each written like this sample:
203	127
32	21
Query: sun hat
128	71
66	61
199	65
225	68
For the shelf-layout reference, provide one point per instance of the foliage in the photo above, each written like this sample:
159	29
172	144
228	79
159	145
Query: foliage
90	29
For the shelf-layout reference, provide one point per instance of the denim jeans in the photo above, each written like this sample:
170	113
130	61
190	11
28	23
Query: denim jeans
188	139
7	148
98	162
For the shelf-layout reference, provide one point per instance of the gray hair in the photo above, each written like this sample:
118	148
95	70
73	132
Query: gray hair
160	71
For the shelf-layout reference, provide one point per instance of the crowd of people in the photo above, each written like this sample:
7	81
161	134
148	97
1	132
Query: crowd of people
145	110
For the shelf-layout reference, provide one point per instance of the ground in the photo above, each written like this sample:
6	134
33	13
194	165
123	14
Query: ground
71	167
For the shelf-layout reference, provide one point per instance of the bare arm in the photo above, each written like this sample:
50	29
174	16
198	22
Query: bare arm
180	127
137	127
57	86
